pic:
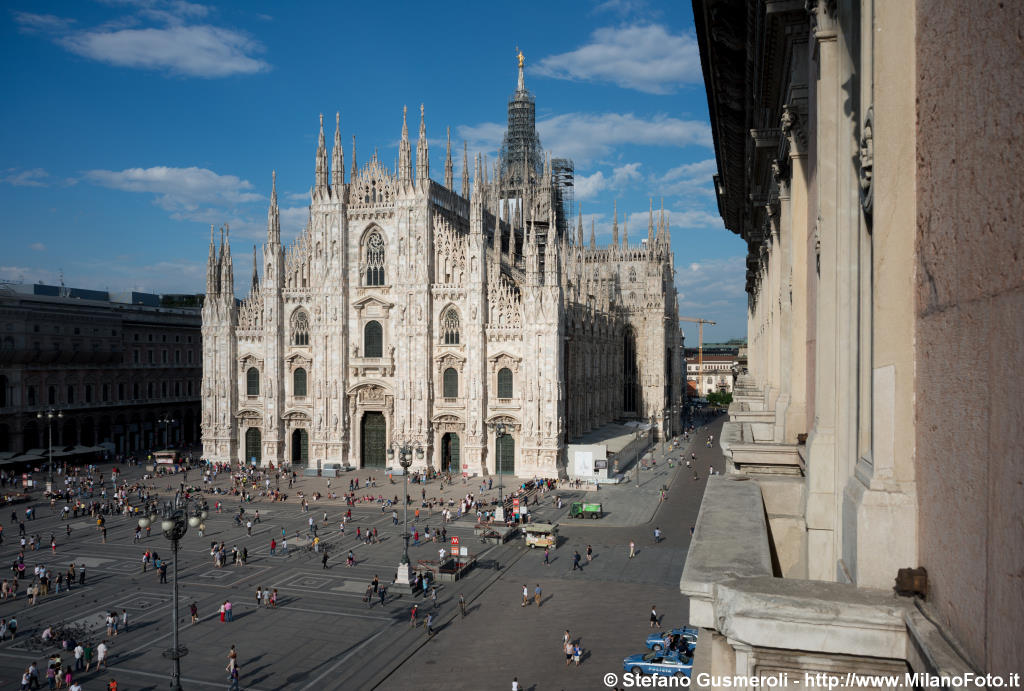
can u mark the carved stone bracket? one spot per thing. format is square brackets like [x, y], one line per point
[867, 161]
[793, 127]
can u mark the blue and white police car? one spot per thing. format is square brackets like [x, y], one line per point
[665, 664]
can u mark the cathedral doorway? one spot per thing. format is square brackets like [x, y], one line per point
[374, 439]
[300, 446]
[506, 455]
[252, 445]
[450, 453]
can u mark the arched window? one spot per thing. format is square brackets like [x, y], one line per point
[632, 275]
[88, 393]
[252, 445]
[252, 382]
[300, 328]
[375, 259]
[451, 383]
[504, 383]
[373, 340]
[31, 395]
[450, 327]
[71, 394]
[299, 382]
[3, 392]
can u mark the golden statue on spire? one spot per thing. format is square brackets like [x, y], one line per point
[521, 58]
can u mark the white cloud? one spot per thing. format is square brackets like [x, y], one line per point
[29, 23]
[646, 58]
[176, 47]
[178, 189]
[293, 219]
[695, 218]
[586, 136]
[194, 51]
[589, 186]
[485, 137]
[25, 178]
[711, 279]
[37, 246]
[686, 179]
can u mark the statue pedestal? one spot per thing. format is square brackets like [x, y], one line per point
[403, 582]
[499, 514]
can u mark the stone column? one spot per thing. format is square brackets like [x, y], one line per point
[795, 228]
[822, 450]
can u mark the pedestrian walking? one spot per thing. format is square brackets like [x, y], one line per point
[576, 561]
[576, 652]
[547, 556]
[412, 616]
[259, 595]
[462, 605]
[526, 595]
[568, 652]
[590, 554]
[654, 618]
[324, 560]
[228, 611]
[101, 654]
[433, 597]
[194, 611]
[429, 624]
[536, 595]
[632, 549]
[233, 675]
[273, 546]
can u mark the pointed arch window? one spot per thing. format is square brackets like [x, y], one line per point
[299, 382]
[504, 383]
[300, 328]
[252, 382]
[375, 259]
[451, 383]
[632, 275]
[450, 327]
[373, 340]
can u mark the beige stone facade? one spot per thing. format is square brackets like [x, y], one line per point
[874, 182]
[409, 312]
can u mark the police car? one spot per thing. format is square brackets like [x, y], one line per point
[660, 640]
[665, 664]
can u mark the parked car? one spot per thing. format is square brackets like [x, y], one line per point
[663, 664]
[580, 509]
[660, 639]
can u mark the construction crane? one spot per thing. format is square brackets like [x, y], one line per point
[700, 346]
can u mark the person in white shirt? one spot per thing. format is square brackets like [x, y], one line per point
[101, 654]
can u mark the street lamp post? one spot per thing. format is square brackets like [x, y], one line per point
[167, 421]
[177, 516]
[49, 415]
[500, 430]
[405, 452]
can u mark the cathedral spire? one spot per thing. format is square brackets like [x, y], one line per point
[255, 270]
[212, 268]
[615, 225]
[337, 158]
[273, 216]
[352, 177]
[650, 227]
[521, 84]
[405, 152]
[321, 160]
[661, 222]
[593, 236]
[227, 271]
[625, 231]
[449, 181]
[579, 228]
[422, 153]
[465, 170]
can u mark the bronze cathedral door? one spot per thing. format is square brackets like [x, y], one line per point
[374, 439]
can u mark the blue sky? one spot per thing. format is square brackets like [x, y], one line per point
[132, 125]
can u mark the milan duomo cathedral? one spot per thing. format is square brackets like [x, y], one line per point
[475, 325]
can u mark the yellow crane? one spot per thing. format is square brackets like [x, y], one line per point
[700, 347]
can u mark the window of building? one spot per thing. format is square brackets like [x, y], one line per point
[164, 338]
[71, 394]
[31, 393]
[450, 326]
[504, 383]
[163, 389]
[136, 337]
[177, 357]
[190, 388]
[299, 382]
[150, 338]
[88, 393]
[177, 339]
[52, 395]
[163, 357]
[35, 328]
[150, 356]
[189, 339]
[300, 328]
[149, 390]
[105, 393]
[135, 391]
[77, 331]
[451, 383]
[373, 340]
[135, 356]
[177, 389]
[252, 382]
[375, 259]
[3, 392]
[120, 392]
[190, 357]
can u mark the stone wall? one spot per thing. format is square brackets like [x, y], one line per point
[970, 303]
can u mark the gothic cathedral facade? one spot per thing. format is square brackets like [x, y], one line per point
[475, 325]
